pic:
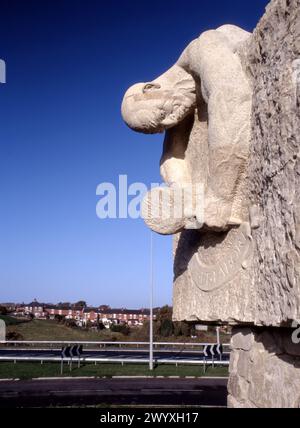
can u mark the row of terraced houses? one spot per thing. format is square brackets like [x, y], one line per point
[84, 315]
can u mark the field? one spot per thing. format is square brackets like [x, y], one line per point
[35, 370]
[10, 320]
[51, 330]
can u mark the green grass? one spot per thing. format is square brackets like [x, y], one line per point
[52, 330]
[11, 321]
[34, 370]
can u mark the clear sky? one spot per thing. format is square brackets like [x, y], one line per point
[61, 134]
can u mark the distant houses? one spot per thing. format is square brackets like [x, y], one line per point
[84, 315]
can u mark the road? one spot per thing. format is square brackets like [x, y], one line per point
[158, 392]
[106, 354]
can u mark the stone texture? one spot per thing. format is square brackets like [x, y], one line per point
[230, 109]
[2, 331]
[243, 340]
[267, 292]
[205, 149]
[203, 103]
[265, 376]
[274, 167]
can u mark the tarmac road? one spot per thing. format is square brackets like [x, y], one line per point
[201, 392]
[117, 354]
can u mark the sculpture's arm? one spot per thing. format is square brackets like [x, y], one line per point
[173, 165]
[227, 92]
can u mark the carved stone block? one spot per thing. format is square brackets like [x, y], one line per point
[229, 108]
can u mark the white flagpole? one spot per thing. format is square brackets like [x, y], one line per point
[151, 304]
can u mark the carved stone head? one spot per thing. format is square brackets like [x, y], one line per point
[156, 106]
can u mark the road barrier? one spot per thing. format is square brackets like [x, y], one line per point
[204, 362]
[103, 344]
[204, 355]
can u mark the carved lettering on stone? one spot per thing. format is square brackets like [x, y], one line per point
[215, 266]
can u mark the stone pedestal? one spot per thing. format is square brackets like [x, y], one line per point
[264, 368]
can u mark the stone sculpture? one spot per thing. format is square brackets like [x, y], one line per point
[230, 111]
[204, 104]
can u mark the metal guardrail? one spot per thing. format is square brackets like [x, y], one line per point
[116, 350]
[103, 343]
[114, 360]
[89, 359]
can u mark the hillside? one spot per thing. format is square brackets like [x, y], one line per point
[51, 330]
[10, 320]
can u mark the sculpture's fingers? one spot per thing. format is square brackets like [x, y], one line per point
[169, 210]
[161, 213]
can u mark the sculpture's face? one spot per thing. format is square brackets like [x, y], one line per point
[161, 104]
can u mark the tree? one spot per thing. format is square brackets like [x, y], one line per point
[164, 324]
[81, 304]
[125, 329]
[185, 328]
[71, 323]
[166, 328]
[100, 325]
[177, 329]
[120, 328]
[165, 312]
[59, 318]
[3, 310]
[64, 304]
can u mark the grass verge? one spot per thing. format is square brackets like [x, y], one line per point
[51, 330]
[34, 370]
[11, 321]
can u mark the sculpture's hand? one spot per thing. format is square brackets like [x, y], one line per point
[169, 210]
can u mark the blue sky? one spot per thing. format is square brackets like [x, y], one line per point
[61, 134]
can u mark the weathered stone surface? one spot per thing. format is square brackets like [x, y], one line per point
[204, 104]
[238, 387]
[242, 263]
[244, 365]
[264, 376]
[274, 167]
[233, 403]
[239, 263]
[243, 340]
[2, 331]
[204, 100]
[267, 292]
